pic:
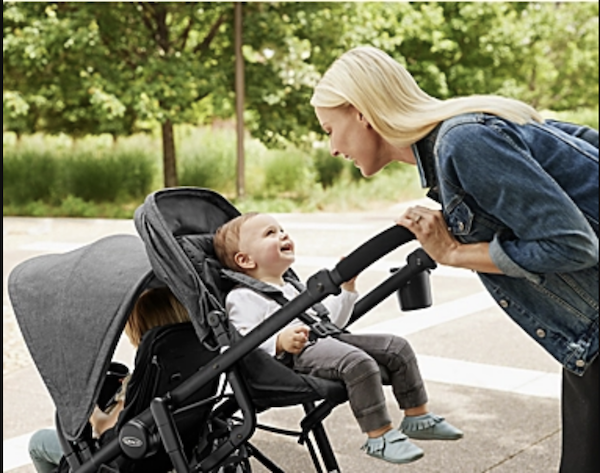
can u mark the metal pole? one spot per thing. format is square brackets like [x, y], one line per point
[239, 100]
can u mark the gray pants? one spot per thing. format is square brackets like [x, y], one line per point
[355, 360]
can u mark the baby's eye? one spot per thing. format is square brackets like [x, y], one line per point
[270, 232]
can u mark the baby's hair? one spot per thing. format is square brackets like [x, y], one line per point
[226, 241]
[155, 307]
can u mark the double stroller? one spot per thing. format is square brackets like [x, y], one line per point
[197, 387]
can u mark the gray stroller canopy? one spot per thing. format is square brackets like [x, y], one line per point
[71, 309]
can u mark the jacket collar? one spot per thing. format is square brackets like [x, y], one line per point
[425, 157]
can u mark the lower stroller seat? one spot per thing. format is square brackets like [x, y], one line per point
[167, 356]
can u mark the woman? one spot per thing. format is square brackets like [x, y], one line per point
[519, 198]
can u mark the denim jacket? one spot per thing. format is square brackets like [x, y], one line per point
[532, 192]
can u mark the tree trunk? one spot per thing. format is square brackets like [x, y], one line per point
[169, 163]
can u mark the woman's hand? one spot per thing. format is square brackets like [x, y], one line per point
[431, 230]
[292, 339]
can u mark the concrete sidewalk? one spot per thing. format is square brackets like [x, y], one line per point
[482, 372]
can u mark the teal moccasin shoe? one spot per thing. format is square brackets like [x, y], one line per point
[394, 447]
[429, 427]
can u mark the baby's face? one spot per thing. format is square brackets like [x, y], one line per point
[264, 242]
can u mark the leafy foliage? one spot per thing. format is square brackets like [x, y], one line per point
[121, 67]
[110, 175]
[328, 168]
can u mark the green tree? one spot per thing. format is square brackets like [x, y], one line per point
[541, 52]
[102, 67]
[96, 67]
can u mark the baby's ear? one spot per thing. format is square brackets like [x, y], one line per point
[244, 261]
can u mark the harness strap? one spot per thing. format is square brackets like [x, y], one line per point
[320, 326]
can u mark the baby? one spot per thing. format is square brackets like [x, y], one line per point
[256, 245]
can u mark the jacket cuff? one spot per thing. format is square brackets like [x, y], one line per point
[505, 264]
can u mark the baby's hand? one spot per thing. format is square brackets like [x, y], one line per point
[292, 339]
[350, 285]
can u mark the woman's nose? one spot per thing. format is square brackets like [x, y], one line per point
[332, 149]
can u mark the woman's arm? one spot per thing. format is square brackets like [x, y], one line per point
[497, 170]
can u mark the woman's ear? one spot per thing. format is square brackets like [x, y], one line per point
[244, 261]
[363, 120]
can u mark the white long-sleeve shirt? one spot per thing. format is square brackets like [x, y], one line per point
[247, 309]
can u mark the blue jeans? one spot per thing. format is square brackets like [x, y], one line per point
[45, 450]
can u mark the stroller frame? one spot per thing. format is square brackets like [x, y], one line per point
[159, 415]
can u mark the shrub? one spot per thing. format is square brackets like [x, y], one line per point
[328, 168]
[27, 176]
[105, 178]
[208, 159]
[288, 173]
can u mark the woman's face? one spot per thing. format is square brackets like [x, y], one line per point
[352, 137]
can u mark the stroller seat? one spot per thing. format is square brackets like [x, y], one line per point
[167, 356]
[177, 226]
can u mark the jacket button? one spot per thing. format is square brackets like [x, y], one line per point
[580, 363]
[504, 303]
[540, 332]
[461, 226]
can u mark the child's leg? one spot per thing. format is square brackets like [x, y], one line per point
[45, 450]
[331, 359]
[398, 357]
[395, 354]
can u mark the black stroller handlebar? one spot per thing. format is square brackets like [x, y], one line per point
[369, 252]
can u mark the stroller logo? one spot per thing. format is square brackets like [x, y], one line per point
[132, 442]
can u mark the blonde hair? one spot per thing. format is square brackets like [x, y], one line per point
[392, 102]
[155, 307]
[226, 241]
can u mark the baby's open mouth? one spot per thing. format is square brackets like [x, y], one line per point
[287, 247]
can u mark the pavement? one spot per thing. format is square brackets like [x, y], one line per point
[482, 373]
